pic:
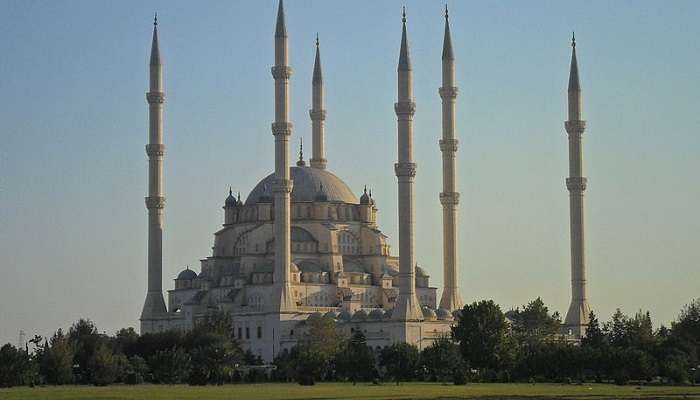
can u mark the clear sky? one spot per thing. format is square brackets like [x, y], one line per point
[73, 125]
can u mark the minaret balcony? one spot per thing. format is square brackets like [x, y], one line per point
[281, 72]
[577, 126]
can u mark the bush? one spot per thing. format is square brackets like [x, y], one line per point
[459, 376]
[170, 366]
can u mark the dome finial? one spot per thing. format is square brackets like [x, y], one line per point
[365, 188]
[301, 162]
[230, 191]
[239, 197]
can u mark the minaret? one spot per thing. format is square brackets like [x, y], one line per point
[407, 307]
[155, 202]
[318, 115]
[282, 186]
[577, 316]
[449, 198]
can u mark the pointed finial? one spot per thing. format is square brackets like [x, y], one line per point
[370, 193]
[447, 14]
[365, 189]
[574, 82]
[404, 58]
[239, 197]
[155, 48]
[447, 53]
[230, 192]
[317, 76]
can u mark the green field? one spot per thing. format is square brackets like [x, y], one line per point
[348, 391]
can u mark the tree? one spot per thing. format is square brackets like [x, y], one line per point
[686, 331]
[57, 360]
[104, 366]
[214, 358]
[16, 367]
[170, 366]
[443, 360]
[594, 337]
[481, 331]
[534, 321]
[85, 340]
[401, 361]
[355, 360]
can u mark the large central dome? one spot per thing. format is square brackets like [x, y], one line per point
[307, 183]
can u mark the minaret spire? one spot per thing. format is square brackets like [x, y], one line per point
[282, 184]
[449, 197]
[155, 202]
[577, 315]
[318, 115]
[407, 307]
[447, 41]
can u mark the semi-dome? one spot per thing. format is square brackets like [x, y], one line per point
[307, 182]
[186, 275]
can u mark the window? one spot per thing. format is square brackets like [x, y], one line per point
[240, 332]
[247, 333]
[260, 332]
[291, 333]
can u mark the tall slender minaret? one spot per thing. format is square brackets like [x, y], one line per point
[451, 299]
[318, 115]
[577, 316]
[407, 307]
[282, 186]
[155, 202]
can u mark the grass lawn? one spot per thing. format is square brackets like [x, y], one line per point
[348, 391]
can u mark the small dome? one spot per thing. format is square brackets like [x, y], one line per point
[456, 313]
[293, 267]
[316, 315]
[186, 275]
[360, 315]
[331, 315]
[420, 272]
[345, 316]
[429, 314]
[230, 200]
[376, 314]
[443, 314]
[364, 199]
[387, 314]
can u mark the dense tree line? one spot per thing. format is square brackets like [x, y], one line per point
[486, 344]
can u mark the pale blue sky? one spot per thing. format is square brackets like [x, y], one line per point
[73, 123]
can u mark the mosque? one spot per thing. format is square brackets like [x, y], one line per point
[303, 245]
